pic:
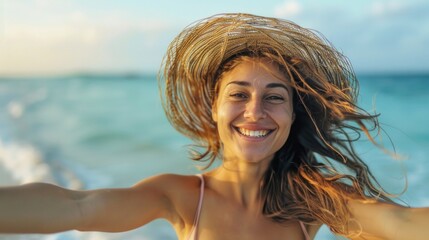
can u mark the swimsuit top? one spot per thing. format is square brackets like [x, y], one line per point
[193, 234]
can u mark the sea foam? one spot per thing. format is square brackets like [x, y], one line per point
[25, 164]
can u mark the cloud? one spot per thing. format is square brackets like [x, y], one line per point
[65, 35]
[288, 9]
[386, 8]
[47, 3]
[77, 41]
[376, 36]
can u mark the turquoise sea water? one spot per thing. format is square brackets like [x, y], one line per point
[91, 132]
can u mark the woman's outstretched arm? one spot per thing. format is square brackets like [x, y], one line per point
[388, 221]
[38, 207]
[46, 208]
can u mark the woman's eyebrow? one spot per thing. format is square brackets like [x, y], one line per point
[241, 83]
[277, 85]
[269, 85]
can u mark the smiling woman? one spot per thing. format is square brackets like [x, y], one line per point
[277, 105]
[229, 60]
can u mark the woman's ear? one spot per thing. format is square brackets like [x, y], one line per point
[293, 117]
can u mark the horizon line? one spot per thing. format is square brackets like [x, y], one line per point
[144, 74]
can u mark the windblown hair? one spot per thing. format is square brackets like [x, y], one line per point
[303, 181]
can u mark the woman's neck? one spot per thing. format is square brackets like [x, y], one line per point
[240, 181]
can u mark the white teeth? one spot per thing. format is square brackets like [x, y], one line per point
[250, 133]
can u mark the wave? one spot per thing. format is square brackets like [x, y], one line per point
[25, 163]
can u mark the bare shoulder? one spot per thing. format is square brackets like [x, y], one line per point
[182, 192]
[373, 209]
[169, 183]
[375, 218]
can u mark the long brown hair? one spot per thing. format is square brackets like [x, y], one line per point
[303, 181]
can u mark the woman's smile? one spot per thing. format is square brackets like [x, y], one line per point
[254, 133]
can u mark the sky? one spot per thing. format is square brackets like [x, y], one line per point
[51, 37]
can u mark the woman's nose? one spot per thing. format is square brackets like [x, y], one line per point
[255, 110]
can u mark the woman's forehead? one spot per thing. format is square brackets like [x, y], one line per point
[255, 70]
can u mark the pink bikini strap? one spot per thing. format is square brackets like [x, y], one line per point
[200, 203]
[307, 237]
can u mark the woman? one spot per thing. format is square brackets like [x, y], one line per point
[277, 104]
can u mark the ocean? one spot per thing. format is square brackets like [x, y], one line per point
[97, 131]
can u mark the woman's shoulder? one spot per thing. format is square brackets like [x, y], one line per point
[171, 179]
[182, 192]
[175, 186]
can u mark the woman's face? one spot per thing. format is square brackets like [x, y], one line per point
[253, 111]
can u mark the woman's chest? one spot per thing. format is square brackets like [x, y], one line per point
[228, 221]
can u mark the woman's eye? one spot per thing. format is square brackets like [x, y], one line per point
[275, 99]
[238, 95]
